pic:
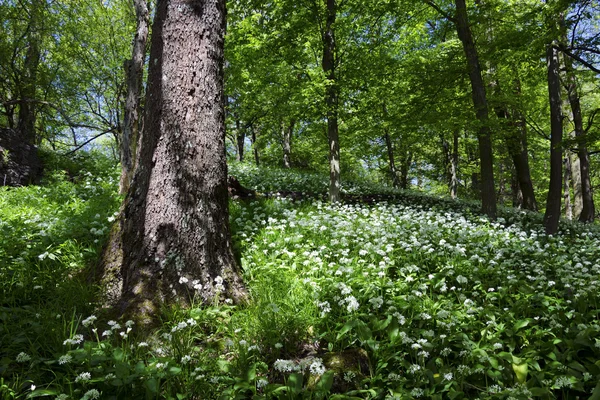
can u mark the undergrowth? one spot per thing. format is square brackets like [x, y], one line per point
[401, 296]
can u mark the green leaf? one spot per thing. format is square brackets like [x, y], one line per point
[520, 372]
[596, 393]
[348, 326]
[521, 324]
[326, 381]
[295, 382]
[42, 393]
[152, 385]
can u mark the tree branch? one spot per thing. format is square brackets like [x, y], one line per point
[432, 4]
[87, 141]
[577, 58]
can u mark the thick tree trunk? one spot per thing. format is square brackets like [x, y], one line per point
[331, 101]
[552, 215]
[175, 225]
[27, 90]
[287, 132]
[488, 192]
[391, 161]
[567, 189]
[134, 71]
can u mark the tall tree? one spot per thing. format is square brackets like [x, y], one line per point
[134, 71]
[552, 215]
[488, 191]
[331, 99]
[175, 228]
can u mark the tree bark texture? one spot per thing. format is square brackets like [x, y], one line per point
[331, 101]
[175, 225]
[134, 71]
[404, 168]
[552, 215]
[488, 191]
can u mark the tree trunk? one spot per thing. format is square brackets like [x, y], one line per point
[27, 89]
[331, 101]
[240, 138]
[552, 215]
[175, 225]
[567, 189]
[287, 132]
[404, 168]
[254, 146]
[392, 163]
[134, 71]
[454, 166]
[587, 200]
[575, 175]
[488, 192]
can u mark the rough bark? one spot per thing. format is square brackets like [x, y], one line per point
[552, 215]
[134, 71]
[175, 229]
[19, 161]
[331, 101]
[488, 193]
[391, 161]
[567, 189]
[287, 132]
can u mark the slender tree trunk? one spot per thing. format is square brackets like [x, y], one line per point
[287, 132]
[240, 138]
[176, 238]
[552, 215]
[134, 71]
[517, 195]
[587, 200]
[255, 146]
[454, 166]
[575, 174]
[331, 101]
[391, 161]
[488, 191]
[404, 168]
[567, 189]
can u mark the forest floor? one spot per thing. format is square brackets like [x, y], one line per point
[390, 294]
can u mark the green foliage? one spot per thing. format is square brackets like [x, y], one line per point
[411, 297]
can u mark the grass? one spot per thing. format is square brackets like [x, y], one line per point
[411, 297]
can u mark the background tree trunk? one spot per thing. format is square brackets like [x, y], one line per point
[391, 161]
[134, 71]
[331, 101]
[287, 132]
[552, 214]
[240, 138]
[488, 191]
[176, 239]
[567, 189]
